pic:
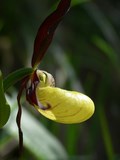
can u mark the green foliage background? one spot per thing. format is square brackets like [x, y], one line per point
[83, 56]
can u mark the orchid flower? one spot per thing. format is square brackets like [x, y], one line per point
[52, 102]
[58, 104]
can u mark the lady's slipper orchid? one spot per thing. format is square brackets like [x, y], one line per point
[57, 104]
[54, 103]
[64, 106]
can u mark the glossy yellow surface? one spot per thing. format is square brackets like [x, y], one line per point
[65, 106]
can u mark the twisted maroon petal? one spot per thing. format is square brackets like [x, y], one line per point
[46, 31]
[31, 96]
[30, 90]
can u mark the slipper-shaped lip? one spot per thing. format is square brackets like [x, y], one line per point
[64, 106]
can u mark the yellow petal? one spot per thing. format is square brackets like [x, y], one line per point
[45, 78]
[65, 106]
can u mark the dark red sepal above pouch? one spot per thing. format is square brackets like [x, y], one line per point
[46, 32]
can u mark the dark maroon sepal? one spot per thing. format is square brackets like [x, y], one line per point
[46, 31]
[31, 91]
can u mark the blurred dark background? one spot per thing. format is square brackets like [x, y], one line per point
[83, 56]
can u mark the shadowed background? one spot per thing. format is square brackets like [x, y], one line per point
[83, 56]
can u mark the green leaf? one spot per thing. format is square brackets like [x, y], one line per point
[4, 106]
[107, 50]
[16, 76]
[77, 2]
